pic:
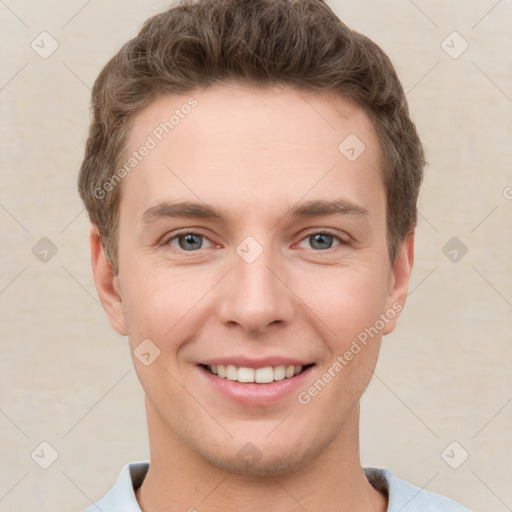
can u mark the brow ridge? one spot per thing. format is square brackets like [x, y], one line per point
[188, 209]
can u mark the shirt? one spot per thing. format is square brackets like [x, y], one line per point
[402, 495]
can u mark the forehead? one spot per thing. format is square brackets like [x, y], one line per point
[256, 114]
[239, 143]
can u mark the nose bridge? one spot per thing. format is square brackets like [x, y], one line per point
[255, 295]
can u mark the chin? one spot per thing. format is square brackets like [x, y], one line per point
[262, 458]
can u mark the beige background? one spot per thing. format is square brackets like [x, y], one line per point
[443, 376]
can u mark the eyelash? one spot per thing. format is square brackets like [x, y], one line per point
[175, 236]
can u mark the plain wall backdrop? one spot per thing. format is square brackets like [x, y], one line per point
[438, 411]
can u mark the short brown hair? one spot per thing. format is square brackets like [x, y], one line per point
[297, 43]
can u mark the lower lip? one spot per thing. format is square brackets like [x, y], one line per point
[250, 393]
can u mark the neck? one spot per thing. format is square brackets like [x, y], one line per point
[179, 479]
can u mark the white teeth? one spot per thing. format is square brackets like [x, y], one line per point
[259, 375]
[231, 372]
[264, 375]
[279, 372]
[245, 374]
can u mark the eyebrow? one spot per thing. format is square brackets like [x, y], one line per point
[191, 210]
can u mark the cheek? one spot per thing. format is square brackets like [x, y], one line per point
[165, 305]
[350, 300]
[152, 303]
[351, 319]
[159, 314]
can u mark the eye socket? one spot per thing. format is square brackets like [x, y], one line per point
[323, 238]
[187, 237]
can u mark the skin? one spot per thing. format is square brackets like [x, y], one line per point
[253, 154]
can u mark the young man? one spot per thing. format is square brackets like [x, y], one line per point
[251, 176]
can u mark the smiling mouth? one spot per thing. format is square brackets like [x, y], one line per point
[265, 375]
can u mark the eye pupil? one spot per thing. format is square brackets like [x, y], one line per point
[322, 238]
[190, 238]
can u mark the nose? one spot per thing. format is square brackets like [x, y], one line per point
[254, 295]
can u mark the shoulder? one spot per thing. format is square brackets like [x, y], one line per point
[406, 497]
[121, 498]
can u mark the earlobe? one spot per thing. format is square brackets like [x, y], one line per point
[399, 281]
[107, 283]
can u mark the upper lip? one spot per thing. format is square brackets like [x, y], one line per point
[255, 362]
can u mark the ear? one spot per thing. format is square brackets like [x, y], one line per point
[107, 283]
[399, 281]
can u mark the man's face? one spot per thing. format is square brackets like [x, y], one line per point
[275, 280]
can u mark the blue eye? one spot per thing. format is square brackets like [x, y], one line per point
[322, 241]
[188, 241]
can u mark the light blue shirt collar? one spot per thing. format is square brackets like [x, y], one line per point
[402, 495]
